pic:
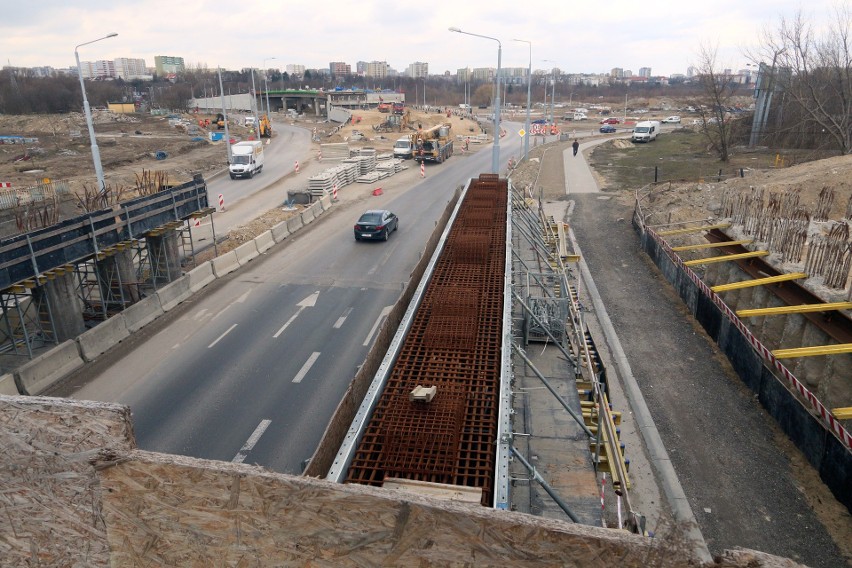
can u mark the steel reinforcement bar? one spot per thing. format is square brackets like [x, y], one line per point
[455, 344]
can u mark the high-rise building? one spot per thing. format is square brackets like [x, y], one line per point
[339, 68]
[377, 69]
[463, 75]
[168, 65]
[101, 69]
[294, 69]
[129, 69]
[361, 68]
[418, 69]
[617, 73]
[483, 73]
[645, 72]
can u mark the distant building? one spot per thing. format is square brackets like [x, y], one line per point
[463, 75]
[691, 72]
[168, 65]
[294, 69]
[616, 73]
[101, 69]
[514, 75]
[645, 72]
[130, 69]
[377, 69]
[361, 68]
[417, 69]
[483, 74]
[339, 68]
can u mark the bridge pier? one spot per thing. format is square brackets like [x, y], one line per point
[59, 303]
[116, 275]
[163, 256]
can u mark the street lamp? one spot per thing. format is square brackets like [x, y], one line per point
[96, 155]
[553, 91]
[495, 155]
[529, 102]
[266, 86]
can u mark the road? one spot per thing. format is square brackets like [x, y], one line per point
[252, 368]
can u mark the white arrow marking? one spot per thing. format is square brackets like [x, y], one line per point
[308, 302]
[306, 367]
[250, 443]
[339, 323]
[385, 311]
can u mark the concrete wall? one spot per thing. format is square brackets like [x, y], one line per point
[825, 451]
[83, 495]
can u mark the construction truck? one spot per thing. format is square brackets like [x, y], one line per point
[265, 128]
[398, 108]
[384, 107]
[432, 145]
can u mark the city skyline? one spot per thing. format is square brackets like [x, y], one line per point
[576, 39]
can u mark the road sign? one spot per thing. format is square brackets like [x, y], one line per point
[522, 132]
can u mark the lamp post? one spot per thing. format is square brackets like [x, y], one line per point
[551, 79]
[254, 105]
[495, 155]
[529, 102]
[266, 86]
[96, 154]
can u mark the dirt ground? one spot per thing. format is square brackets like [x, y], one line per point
[129, 144]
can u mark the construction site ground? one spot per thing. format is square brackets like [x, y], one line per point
[746, 484]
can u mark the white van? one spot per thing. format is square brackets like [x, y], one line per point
[646, 131]
[246, 159]
[402, 148]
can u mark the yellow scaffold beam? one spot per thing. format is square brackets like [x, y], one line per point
[726, 257]
[842, 413]
[759, 282]
[796, 352]
[693, 229]
[713, 245]
[800, 309]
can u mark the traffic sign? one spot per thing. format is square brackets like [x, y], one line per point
[522, 132]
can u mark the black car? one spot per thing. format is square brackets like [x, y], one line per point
[376, 224]
[607, 129]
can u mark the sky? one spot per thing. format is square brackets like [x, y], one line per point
[576, 37]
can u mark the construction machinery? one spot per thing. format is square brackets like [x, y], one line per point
[433, 145]
[220, 121]
[384, 107]
[398, 108]
[265, 128]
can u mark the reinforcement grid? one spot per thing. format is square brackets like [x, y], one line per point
[454, 344]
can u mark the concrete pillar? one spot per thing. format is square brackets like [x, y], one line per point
[811, 370]
[66, 307]
[163, 256]
[118, 275]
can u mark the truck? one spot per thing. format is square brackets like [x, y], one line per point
[402, 148]
[246, 159]
[432, 145]
[646, 131]
[398, 108]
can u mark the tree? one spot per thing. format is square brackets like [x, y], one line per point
[814, 76]
[717, 90]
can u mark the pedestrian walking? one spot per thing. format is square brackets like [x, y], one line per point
[576, 146]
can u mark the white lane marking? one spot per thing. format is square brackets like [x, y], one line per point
[339, 323]
[385, 311]
[306, 367]
[250, 443]
[308, 302]
[221, 336]
[199, 314]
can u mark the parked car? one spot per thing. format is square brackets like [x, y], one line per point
[671, 120]
[611, 120]
[376, 224]
[608, 129]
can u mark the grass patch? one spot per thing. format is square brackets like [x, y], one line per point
[677, 155]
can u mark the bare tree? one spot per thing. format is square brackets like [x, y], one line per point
[717, 90]
[814, 75]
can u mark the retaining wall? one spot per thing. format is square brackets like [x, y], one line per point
[809, 425]
[38, 375]
[96, 341]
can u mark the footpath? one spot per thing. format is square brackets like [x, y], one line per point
[741, 479]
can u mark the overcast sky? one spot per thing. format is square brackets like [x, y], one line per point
[586, 36]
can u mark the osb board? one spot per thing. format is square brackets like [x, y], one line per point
[50, 513]
[177, 511]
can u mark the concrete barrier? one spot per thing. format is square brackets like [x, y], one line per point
[294, 223]
[325, 202]
[246, 252]
[317, 208]
[96, 341]
[142, 313]
[280, 231]
[174, 293]
[307, 216]
[264, 242]
[225, 264]
[44, 371]
[8, 386]
[200, 276]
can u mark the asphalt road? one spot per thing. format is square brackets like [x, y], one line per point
[252, 368]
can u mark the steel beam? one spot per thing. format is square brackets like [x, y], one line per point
[800, 309]
[758, 282]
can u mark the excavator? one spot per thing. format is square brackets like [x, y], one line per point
[265, 127]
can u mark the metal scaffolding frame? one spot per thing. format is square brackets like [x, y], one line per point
[23, 323]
